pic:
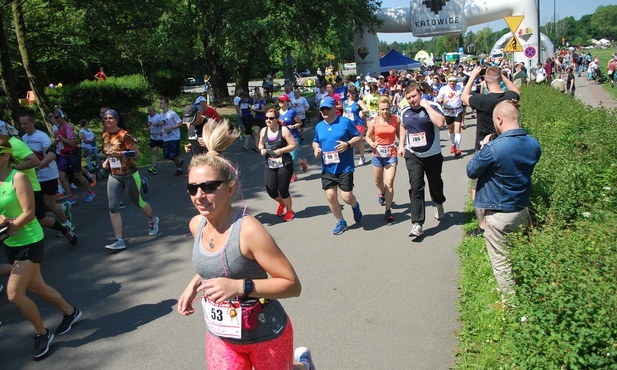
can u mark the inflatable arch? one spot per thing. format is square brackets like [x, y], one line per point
[427, 18]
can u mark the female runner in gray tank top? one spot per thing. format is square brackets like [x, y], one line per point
[233, 255]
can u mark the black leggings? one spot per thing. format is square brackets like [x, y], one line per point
[278, 180]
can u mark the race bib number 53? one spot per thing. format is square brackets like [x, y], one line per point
[223, 320]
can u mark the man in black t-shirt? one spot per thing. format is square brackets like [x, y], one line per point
[484, 104]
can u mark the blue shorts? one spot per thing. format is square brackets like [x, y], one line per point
[171, 149]
[72, 162]
[383, 162]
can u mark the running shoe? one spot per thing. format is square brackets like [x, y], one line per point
[416, 230]
[388, 216]
[144, 185]
[60, 196]
[89, 197]
[71, 200]
[280, 210]
[41, 344]
[179, 172]
[439, 212]
[341, 227]
[66, 208]
[304, 166]
[73, 186]
[458, 153]
[452, 149]
[71, 236]
[382, 199]
[122, 205]
[68, 321]
[303, 356]
[152, 170]
[293, 178]
[241, 138]
[117, 245]
[1, 288]
[289, 215]
[245, 147]
[361, 161]
[153, 227]
[357, 213]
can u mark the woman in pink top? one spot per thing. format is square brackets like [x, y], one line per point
[381, 136]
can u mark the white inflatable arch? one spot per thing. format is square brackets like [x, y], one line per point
[428, 18]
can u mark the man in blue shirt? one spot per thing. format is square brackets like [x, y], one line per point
[334, 138]
[503, 167]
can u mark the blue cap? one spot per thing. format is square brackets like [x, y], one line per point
[327, 102]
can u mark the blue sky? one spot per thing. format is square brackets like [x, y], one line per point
[564, 8]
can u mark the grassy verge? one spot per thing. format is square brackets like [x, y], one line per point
[564, 313]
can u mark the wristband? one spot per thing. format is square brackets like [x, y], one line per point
[348, 145]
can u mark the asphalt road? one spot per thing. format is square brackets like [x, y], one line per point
[372, 298]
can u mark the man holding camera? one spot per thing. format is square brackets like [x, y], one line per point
[503, 168]
[484, 104]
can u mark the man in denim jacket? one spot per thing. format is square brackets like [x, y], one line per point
[503, 167]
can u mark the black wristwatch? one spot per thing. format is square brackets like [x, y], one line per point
[248, 288]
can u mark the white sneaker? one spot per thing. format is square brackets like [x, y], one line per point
[117, 245]
[153, 227]
[73, 186]
[303, 356]
[361, 161]
[416, 230]
[439, 212]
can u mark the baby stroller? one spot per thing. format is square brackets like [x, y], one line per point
[598, 76]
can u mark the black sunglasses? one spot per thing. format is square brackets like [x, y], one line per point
[207, 187]
[270, 118]
[322, 109]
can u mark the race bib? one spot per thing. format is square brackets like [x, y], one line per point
[115, 162]
[224, 319]
[417, 140]
[275, 162]
[373, 114]
[450, 112]
[256, 106]
[383, 151]
[244, 106]
[348, 115]
[331, 157]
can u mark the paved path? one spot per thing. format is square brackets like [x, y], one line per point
[372, 298]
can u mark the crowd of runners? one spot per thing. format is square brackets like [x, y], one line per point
[391, 116]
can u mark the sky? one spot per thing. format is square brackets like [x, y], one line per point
[563, 9]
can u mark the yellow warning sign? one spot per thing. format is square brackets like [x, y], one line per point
[513, 45]
[514, 21]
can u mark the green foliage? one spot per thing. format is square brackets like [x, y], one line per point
[603, 20]
[564, 313]
[167, 83]
[84, 99]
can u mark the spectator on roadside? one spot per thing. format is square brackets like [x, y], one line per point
[88, 144]
[171, 135]
[100, 75]
[520, 77]
[570, 83]
[503, 168]
[484, 105]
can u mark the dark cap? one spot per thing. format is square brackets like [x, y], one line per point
[190, 113]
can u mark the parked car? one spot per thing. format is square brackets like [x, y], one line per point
[191, 82]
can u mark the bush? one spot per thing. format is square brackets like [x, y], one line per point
[84, 99]
[564, 313]
[167, 83]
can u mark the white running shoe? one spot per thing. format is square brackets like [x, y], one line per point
[361, 161]
[153, 227]
[117, 245]
[416, 230]
[303, 356]
[439, 212]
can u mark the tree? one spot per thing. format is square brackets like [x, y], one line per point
[604, 21]
[30, 64]
[8, 81]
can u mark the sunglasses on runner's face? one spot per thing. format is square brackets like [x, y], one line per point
[323, 109]
[207, 187]
[270, 118]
